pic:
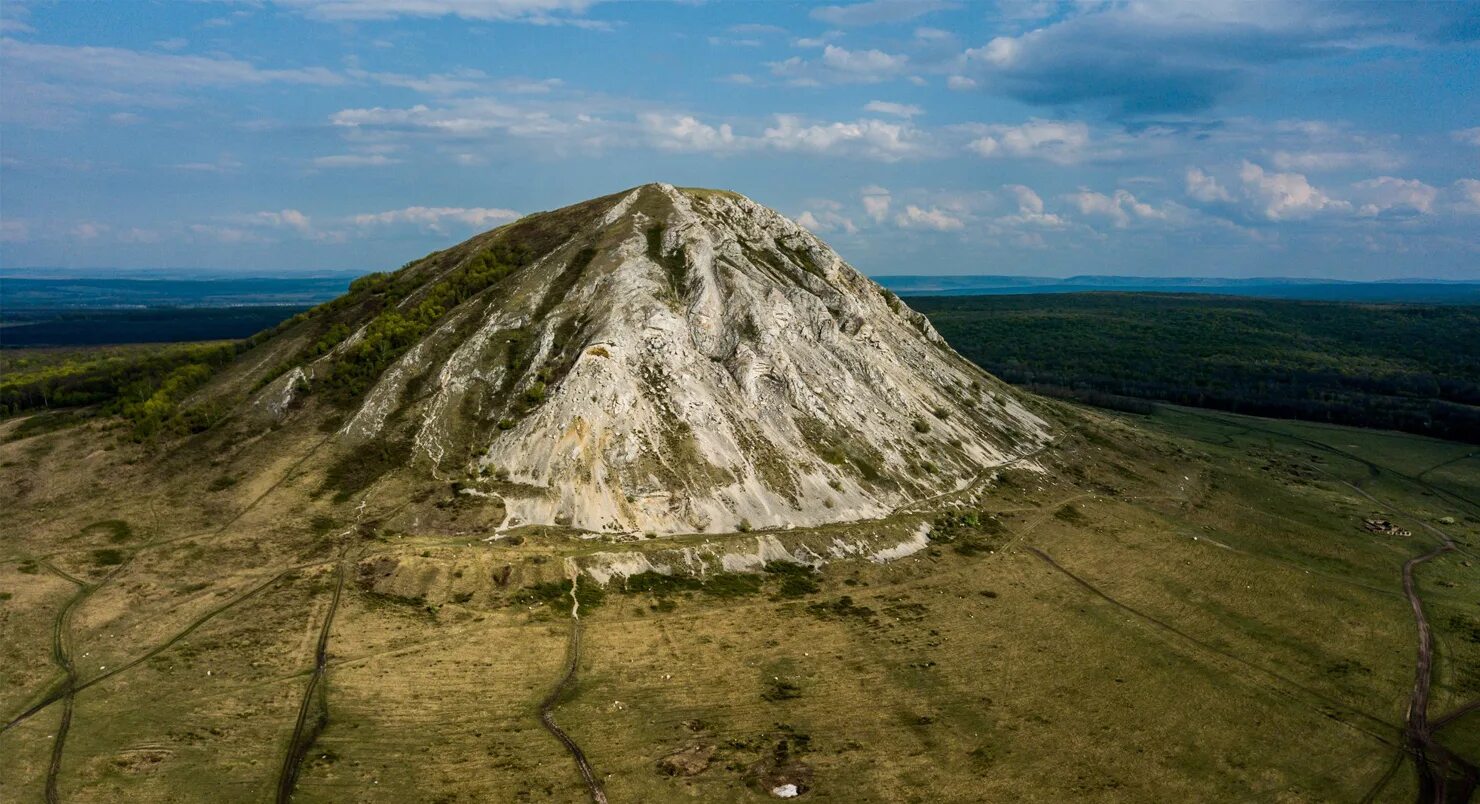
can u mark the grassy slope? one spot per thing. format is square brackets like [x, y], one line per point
[1288, 680]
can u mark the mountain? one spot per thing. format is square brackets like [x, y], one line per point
[659, 360]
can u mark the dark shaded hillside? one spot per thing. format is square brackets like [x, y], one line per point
[1402, 367]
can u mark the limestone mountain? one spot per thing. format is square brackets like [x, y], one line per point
[660, 360]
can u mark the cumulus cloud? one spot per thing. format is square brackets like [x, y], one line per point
[1468, 136]
[1387, 193]
[876, 201]
[687, 133]
[826, 219]
[1282, 196]
[841, 65]
[287, 218]
[914, 217]
[1205, 188]
[1060, 142]
[1030, 210]
[1121, 207]
[872, 139]
[1468, 193]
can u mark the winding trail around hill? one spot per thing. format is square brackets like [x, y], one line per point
[547, 706]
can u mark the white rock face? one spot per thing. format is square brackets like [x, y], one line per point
[691, 361]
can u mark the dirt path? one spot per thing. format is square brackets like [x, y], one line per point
[61, 653]
[304, 732]
[547, 706]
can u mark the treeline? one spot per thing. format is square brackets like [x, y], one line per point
[1400, 367]
[144, 385]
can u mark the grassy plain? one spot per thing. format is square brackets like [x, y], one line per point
[1182, 606]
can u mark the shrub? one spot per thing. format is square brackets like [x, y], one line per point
[108, 557]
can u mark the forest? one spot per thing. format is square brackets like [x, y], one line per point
[1405, 367]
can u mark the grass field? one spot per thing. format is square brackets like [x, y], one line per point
[1183, 606]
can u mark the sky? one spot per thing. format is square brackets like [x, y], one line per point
[1148, 137]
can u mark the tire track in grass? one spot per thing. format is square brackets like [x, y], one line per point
[56, 695]
[314, 697]
[61, 654]
[547, 706]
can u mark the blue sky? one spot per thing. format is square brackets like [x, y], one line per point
[916, 136]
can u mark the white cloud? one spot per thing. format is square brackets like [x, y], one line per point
[50, 85]
[286, 219]
[481, 116]
[872, 139]
[538, 12]
[1322, 161]
[111, 66]
[960, 83]
[826, 220]
[841, 65]
[1030, 210]
[1001, 52]
[687, 133]
[1282, 196]
[1059, 142]
[870, 63]
[1468, 191]
[876, 12]
[1121, 208]
[1385, 193]
[876, 202]
[1468, 136]
[222, 165]
[436, 218]
[914, 217]
[897, 109]
[1205, 188]
[353, 160]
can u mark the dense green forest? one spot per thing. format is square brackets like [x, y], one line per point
[1400, 367]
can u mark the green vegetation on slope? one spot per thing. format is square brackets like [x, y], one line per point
[1401, 367]
[144, 384]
